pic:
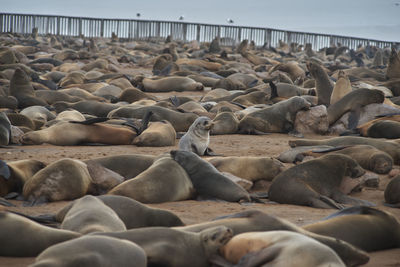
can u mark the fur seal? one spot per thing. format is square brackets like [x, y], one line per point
[207, 180]
[101, 251]
[364, 227]
[133, 213]
[128, 166]
[224, 123]
[341, 88]
[393, 149]
[368, 157]
[323, 84]
[159, 133]
[89, 214]
[21, 88]
[38, 113]
[278, 248]
[383, 129]
[174, 83]
[255, 220]
[392, 193]
[352, 102]
[17, 173]
[279, 118]
[393, 69]
[64, 179]
[249, 168]
[91, 107]
[165, 180]
[172, 247]
[25, 238]
[197, 138]
[316, 183]
[180, 121]
[74, 133]
[52, 97]
[5, 129]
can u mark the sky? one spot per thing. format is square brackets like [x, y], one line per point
[375, 19]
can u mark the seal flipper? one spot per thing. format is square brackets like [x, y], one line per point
[345, 199]
[274, 90]
[210, 152]
[145, 121]
[4, 170]
[326, 202]
[354, 210]
[354, 117]
[397, 205]
[4, 202]
[91, 121]
[45, 219]
[219, 261]
[174, 100]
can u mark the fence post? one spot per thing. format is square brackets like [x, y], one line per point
[240, 35]
[184, 32]
[198, 33]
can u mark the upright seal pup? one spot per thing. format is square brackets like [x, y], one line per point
[393, 149]
[352, 102]
[89, 214]
[249, 168]
[5, 129]
[100, 251]
[75, 133]
[392, 193]
[279, 118]
[341, 88]
[278, 248]
[22, 237]
[197, 138]
[316, 183]
[322, 83]
[255, 220]
[364, 227]
[207, 180]
[163, 181]
[172, 247]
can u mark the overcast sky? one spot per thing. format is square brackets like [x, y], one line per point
[376, 19]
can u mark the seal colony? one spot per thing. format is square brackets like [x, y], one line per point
[57, 92]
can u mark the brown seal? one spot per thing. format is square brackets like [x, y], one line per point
[165, 180]
[278, 248]
[393, 69]
[25, 238]
[255, 220]
[133, 213]
[249, 168]
[341, 88]
[316, 183]
[364, 227]
[352, 102]
[89, 214]
[279, 118]
[91, 107]
[173, 83]
[172, 247]
[207, 180]
[225, 123]
[323, 84]
[5, 129]
[392, 195]
[159, 133]
[382, 129]
[128, 166]
[369, 157]
[74, 133]
[393, 149]
[98, 251]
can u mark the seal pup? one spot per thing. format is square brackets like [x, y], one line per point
[173, 83]
[101, 251]
[392, 193]
[278, 248]
[5, 129]
[197, 138]
[393, 69]
[316, 183]
[26, 238]
[172, 247]
[224, 123]
[89, 214]
[207, 180]
[364, 227]
[165, 180]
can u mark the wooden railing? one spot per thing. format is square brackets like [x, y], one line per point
[131, 29]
